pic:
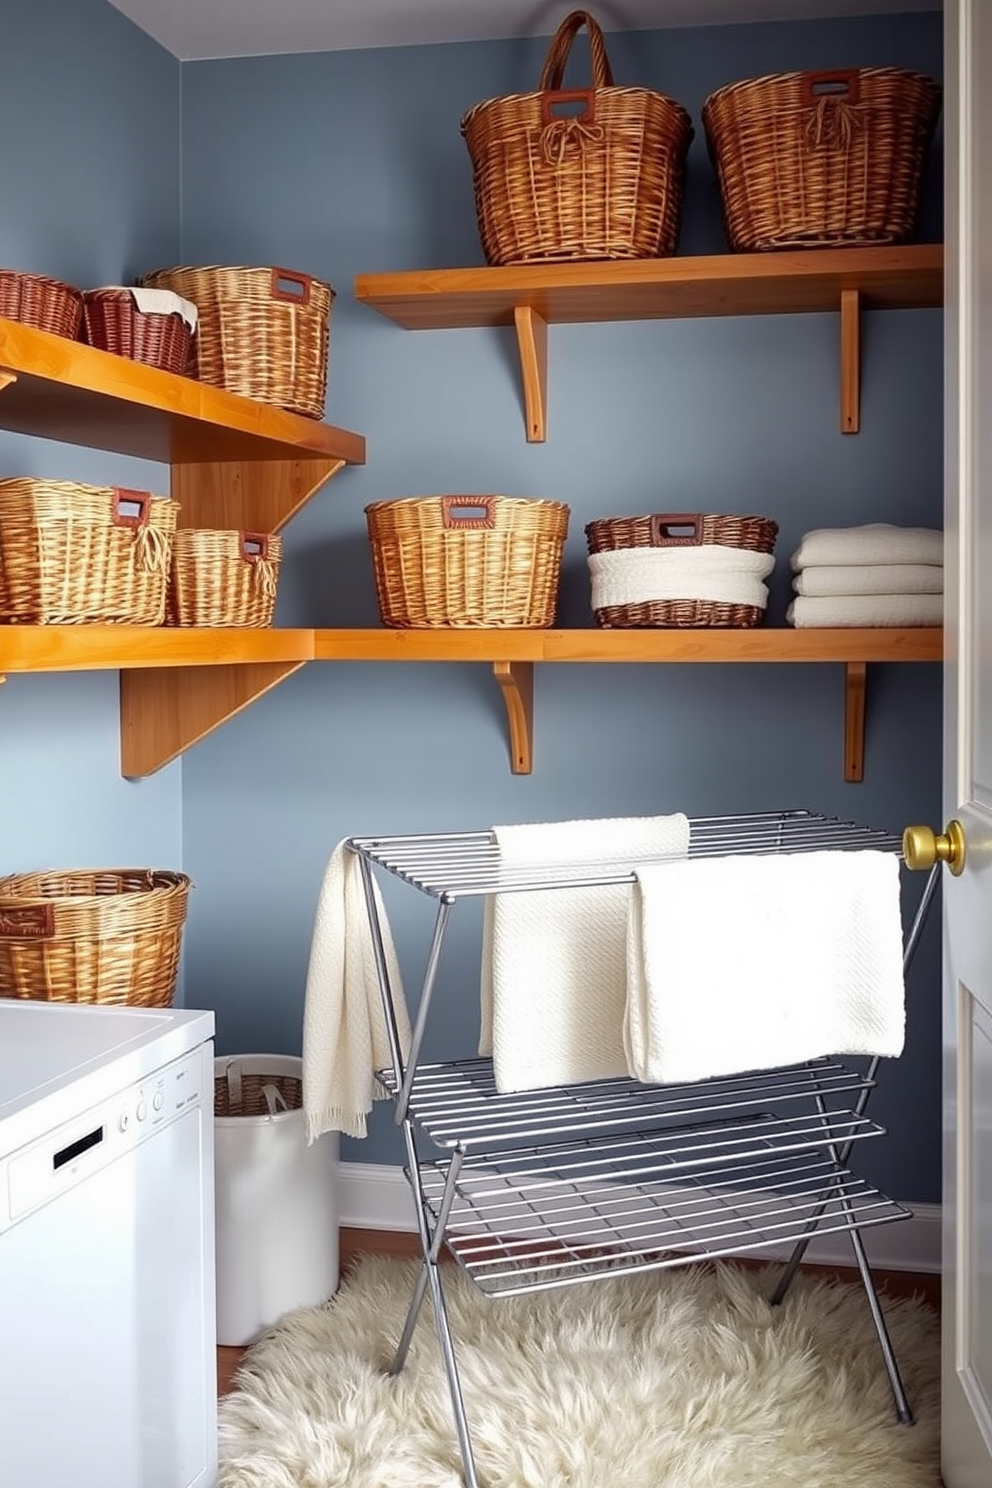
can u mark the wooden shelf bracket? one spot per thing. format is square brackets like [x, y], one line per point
[855, 684]
[7, 379]
[165, 710]
[850, 361]
[249, 495]
[516, 680]
[532, 342]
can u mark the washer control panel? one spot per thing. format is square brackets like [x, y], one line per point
[80, 1146]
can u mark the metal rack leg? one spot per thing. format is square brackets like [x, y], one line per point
[891, 1367]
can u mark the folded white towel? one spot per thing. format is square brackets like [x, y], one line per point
[710, 572]
[344, 1026]
[870, 578]
[866, 609]
[747, 962]
[877, 542]
[553, 983]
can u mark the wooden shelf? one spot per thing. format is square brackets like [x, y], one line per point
[178, 684]
[234, 463]
[513, 653]
[532, 297]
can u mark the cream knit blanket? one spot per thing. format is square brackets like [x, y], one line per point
[710, 572]
[829, 581]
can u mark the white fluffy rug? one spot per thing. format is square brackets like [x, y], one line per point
[679, 1379]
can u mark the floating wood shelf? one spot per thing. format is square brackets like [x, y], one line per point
[234, 463]
[532, 297]
[178, 684]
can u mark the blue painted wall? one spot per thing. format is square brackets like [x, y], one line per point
[345, 163]
[89, 181]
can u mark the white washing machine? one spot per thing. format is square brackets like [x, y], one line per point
[107, 1313]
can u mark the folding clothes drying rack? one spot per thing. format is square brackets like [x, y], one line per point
[554, 1187]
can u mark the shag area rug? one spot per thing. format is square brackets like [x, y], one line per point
[678, 1379]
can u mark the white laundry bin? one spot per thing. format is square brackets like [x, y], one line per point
[276, 1199]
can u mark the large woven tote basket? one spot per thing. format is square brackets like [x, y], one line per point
[590, 173]
[261, 332]
[808, 158]
[467, 560]
[73, 554]
[103, 935]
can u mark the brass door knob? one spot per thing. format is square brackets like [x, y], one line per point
[922, 847]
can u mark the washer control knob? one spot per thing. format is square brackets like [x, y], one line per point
[158, 1100]
[124, 1122]
[142, 1111]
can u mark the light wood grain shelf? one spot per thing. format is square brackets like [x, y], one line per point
[178, 684]
[513, 654]
[532, 297]
[234, 463]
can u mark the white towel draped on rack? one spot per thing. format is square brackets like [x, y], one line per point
[743, 963]
[344, 1028]
[553, 982]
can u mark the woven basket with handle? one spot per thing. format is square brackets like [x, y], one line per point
[36, 300]
[588, 173]
[72, 553]
[467, 560]
[680, 530]
[810, 158]
[261, 332]
[223, 578]
[103, 935]
[115, 322]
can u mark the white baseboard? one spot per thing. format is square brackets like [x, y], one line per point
[376, 1197]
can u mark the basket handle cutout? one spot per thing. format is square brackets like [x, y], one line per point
[467, 511]
[551, 102]
[130, 507]
[676, 530]
[254, 545]
[556, 61]
[28, 921]
[286, 285]
[843, 85]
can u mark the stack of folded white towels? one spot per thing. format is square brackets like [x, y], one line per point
[878, 574]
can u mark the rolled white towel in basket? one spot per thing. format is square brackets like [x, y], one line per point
[875, 542]
[833, 580]
[710, 572]
[553, 981]
[866, 609]
[344, 1025]
[746, 962]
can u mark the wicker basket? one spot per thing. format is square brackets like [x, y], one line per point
[670, 530]
[155, 327]
[245, 1094]
[808, 158]
[604, 183]
[108, 935]
[47, 304]
[223, 578]
[262, 332]
[467, 560]
[72, 554]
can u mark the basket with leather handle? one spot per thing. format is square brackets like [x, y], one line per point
[102, 935]
[223, 578]
[680, 569]
[817, 158]
[581, 173]
[467, 560]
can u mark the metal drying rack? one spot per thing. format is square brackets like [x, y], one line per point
[550, 1188]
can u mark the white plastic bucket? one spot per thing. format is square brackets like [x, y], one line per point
[276, 1199]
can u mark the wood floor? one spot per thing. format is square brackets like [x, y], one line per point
[387, 1242]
